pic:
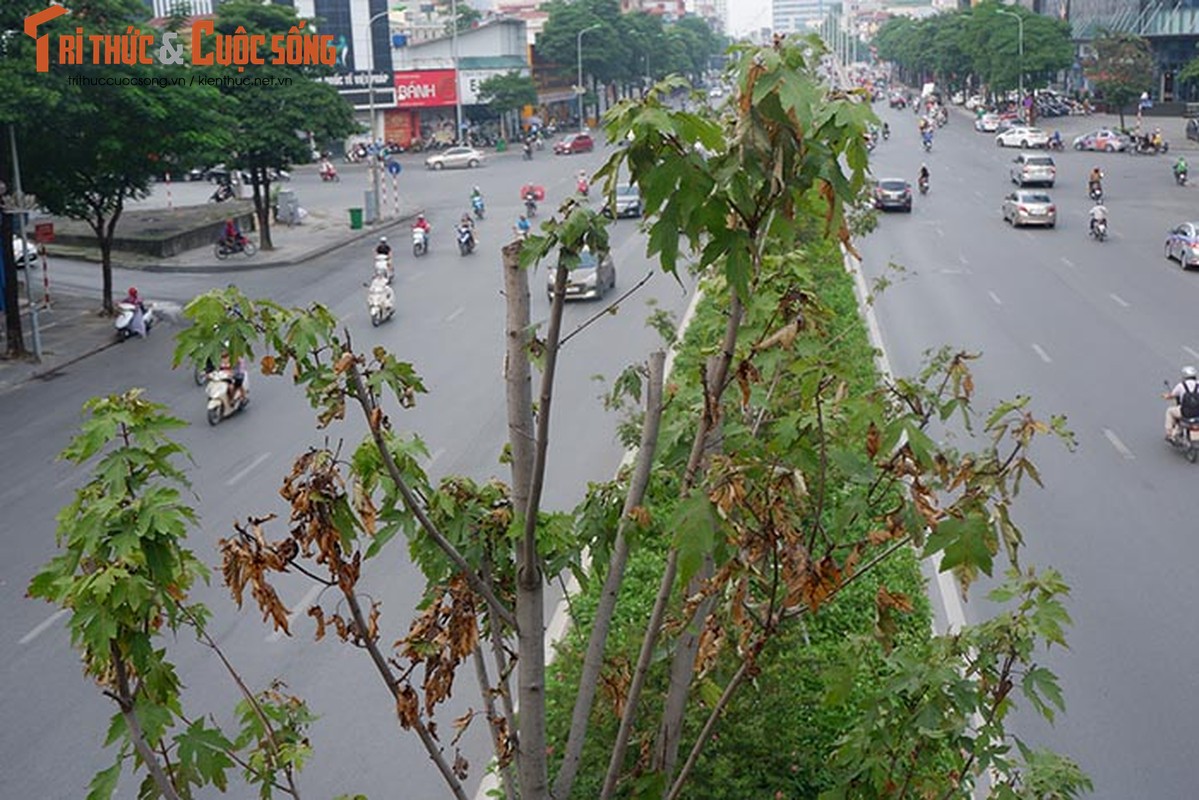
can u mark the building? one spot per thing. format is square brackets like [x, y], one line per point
[797, 16]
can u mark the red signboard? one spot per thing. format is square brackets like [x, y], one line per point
[43, 232]
[425, 88]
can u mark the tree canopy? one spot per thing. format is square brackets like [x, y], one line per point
[1121, 68]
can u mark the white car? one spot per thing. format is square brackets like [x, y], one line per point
[1022, 137]
[974, 101]
[987, 123]
[26, 256]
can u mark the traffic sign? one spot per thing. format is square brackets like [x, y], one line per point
[394, 167]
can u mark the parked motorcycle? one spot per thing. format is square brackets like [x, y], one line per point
[466, 240]
[420, 242]
[220, 406]
[380, 300]
[225, 248]
[476, 203]
[126, 318]
[383, 268]
[1099, 230]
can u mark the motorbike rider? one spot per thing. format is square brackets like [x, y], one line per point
[231, 237]
[522, 226]
[237, 379]
[1097, 213]
[1180, 166]
[531, 200]
[886, 131]
[1055, 141]
[1188, 384]
[922, 176]
[528, 150]
[1156, 139]
[383, 248]
[581, 183]
[137, 325]
[467, 224]
[422, 224]
[1095, 182]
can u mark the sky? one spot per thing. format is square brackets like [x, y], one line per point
[748, 15]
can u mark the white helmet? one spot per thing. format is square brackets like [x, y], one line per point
[1189, 372]
[382, 240]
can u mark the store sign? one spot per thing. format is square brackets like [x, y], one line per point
[425, 88]
[471, 78]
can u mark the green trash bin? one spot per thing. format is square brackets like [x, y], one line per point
[355, 219]
[501, 146]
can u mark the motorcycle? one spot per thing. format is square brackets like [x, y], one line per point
[225, 248]
[220, 406]
[530, 207]
[383, 268]
[1180, 177]
[886, 133]
[1056, 145]
[329, 173]
[1146, 146]
[1186, 436]
[928, 143]
[380, 301]
[466, 240]
[420, 242]
[923, 184]
[1099, 229]
[126, 314]
[527, 152]
[583, 187]
[1096, 193]
[476, 203]
[221, 194]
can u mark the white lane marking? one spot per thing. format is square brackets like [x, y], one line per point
[247, 469]
[978, 194]
[962, 259]
[1121, 448]
[71, 478]
[941, 233]
[40, 629]
[1119, 299]
[1067, 262]
[298, 609]
[46, 327]
[995, 297]
[420, 273]
[1044, 356]
[1191, 351]
[457, 313]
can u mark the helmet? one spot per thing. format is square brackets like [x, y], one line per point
[420, 217]
[923, 166]
[1189, 372]
[475, 189]
[382, 240]
[133, 291]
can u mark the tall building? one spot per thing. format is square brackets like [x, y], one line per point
[797, 16]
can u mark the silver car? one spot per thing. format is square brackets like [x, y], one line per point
[1024, 207]
[590, 279]
[467, 157]
[1028, 168]
[627, 203]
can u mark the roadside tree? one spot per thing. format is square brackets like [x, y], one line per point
[773, 510]
[1121, 69]
[507, 93]
[268, 123]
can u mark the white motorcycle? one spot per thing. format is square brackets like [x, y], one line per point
[220, 406]
[380, 301]
[383, 268]
[125, 322]
[420, 242]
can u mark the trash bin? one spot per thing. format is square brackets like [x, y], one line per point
[501, 146]
[355, 219]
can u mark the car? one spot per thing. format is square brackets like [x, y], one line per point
[1033, 168]
[1023, 137]
[627, 202]
[1108, 141]
[574, 143]
[452, 157]
[1024, 207]
[987, 123]
[892, 193]
[716, 92]
[1183, 244]
[1193, 129]
[589, 279]
[974, 101]
[26, 256]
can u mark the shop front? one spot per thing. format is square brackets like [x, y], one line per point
[425, 108]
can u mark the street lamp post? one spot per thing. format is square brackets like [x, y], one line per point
[579, 50]
[459, 134]
[1020, 45]
[372, 154]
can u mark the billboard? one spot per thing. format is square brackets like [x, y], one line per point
[425, 88]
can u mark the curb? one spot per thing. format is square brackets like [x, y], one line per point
[48, 371]
[241, 266]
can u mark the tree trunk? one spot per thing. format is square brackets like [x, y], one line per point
[103, 231]
[593, 661]
[262, 206]
[12, 299]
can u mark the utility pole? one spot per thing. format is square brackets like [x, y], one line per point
[21, 214]
[579, 50]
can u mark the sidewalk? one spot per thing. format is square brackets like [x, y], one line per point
[71, 329]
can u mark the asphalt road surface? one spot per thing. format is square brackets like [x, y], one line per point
[449, 322]
[1090, 330]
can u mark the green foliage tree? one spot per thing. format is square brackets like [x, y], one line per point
[268, 125]
[125, 575]
[758, 533]
[111, 140]
[507, 93]
[1121, 68]
[468, 17]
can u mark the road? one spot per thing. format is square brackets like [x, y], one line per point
[449, 322]
[1090, 330]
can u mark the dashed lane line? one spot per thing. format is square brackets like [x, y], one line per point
[1040, 352]
[1121, 448]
